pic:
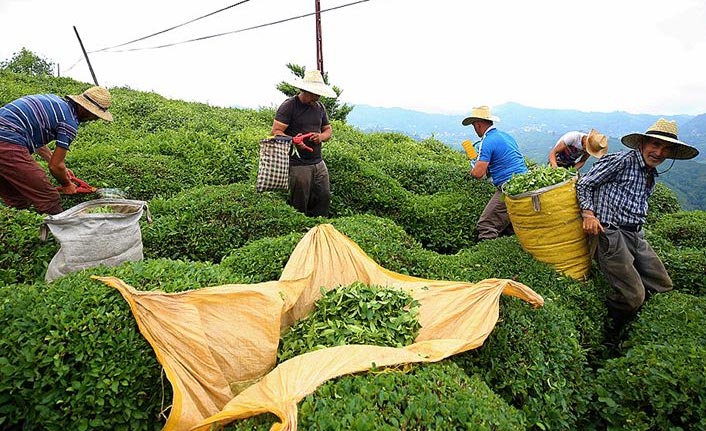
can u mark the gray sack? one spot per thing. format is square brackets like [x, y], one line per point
[98, 232]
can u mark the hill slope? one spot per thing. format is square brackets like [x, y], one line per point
[75, 357]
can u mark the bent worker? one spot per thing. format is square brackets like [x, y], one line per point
[613, 200]
[500, 157]
[27, 125]
[309, 184]
[574, 148]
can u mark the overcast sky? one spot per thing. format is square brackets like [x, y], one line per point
[443, 56]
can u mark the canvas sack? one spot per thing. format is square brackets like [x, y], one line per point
[548, 224]
[97, 232]
[273, 171]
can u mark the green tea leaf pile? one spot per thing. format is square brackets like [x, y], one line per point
[537, 178]
[357, 314]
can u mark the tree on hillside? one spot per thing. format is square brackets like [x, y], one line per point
[28, 63]
[335, 109]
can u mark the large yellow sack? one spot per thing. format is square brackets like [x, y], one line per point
[548, 224]
[218, 345]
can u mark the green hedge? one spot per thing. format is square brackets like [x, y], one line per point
[72, 355]
[360, 187]
[534, 361]
[683, 229]
[660, 381]
[207, 223]
[23, 256]
[418, 398]
[446, 222]
[262, 259]
[663, 201]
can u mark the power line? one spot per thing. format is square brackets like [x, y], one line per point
[171, 28]
[235, 31]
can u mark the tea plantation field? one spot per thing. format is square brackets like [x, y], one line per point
[72, 356]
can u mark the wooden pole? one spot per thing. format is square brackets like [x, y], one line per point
[95, 81]
[319, 49]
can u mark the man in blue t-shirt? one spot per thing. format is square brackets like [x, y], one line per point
[27, 125]
[498, 157]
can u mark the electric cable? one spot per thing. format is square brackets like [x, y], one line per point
[171, 28]
[234, 31]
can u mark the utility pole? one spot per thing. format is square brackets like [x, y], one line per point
[319, 49]
[95, 81]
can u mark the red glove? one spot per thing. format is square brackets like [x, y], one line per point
[299, 141]
[76, 185]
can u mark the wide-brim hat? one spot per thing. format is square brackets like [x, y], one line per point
[96, 100]
[596, 144]
[479, 113]
[665, 131]
[313, 82]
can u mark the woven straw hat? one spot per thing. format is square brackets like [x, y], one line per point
[313, 82]
[596, 144]
[665, 131]
[96, 100]
[479, 113]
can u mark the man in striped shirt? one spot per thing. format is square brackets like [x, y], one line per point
[613, 200]
[27, 125]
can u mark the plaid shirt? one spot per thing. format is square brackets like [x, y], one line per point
[616, 188]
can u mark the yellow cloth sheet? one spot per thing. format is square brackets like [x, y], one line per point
[218, 345]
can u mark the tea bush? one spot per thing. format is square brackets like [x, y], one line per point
[686, 265]
[421, 397]
[207, 223]
[669, 318]
[426, 177]
[73, 357]
[663, 201]
[683, 229]
[659, 382]
[654, 387]
[445, 222]
[583, 300]
[359, 187]
[262, 259]
[77, 361]
[534, 361]
[23, 256]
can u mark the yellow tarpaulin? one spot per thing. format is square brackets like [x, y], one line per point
[548, 225]
[218, 345]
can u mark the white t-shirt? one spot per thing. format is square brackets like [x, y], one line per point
[574, 148]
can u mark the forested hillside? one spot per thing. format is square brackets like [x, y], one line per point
[72, 355]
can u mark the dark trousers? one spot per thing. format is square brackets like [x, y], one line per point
[23, 182]
[310, 189]
[632, 268]
[494, 220]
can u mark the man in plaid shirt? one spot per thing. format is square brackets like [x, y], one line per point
[613, 200]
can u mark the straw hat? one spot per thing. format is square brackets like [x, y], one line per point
[313, 82]
[596, 144]
[665, 131]
[96, 100]
[479, 113]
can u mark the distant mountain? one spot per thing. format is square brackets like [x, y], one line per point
[537, 130]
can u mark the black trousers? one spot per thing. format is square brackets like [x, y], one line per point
[310, 189]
